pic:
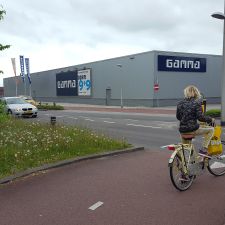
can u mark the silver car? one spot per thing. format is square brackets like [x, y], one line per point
[19, 107]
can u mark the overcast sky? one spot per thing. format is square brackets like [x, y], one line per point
[60, 33]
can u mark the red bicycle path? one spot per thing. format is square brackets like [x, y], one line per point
[135, 189]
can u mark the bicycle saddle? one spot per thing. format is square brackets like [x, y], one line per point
[187, 136]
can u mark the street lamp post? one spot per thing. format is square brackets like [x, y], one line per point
[221, 16]
[121, 89]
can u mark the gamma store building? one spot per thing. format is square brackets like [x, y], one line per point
[154, 78]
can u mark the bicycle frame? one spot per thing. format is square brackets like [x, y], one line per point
[191, 164]
[177, 150]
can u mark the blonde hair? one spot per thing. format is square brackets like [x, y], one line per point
[192, 92]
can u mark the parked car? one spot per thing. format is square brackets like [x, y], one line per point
[29, 99]
[19, 107]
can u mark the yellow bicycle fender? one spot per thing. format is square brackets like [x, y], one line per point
[172, 158]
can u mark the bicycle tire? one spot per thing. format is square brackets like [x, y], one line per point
[177, 180]
[216, 165]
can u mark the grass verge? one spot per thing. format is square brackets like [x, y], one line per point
[46, 106]
[27, 145]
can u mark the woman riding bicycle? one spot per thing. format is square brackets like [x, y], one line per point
[189, 113]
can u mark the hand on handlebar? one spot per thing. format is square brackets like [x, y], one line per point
[213, 122]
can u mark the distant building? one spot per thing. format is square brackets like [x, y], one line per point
[1, 91]
[154, 78]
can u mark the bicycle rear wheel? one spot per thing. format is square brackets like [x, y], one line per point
[180, 181]
[216, 165]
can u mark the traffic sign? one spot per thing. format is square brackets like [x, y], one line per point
[156, 87]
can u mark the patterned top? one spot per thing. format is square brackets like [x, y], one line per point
[189, 112]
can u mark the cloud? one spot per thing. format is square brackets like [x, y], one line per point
[67, 32]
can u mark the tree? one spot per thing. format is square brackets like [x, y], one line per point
[2, 47]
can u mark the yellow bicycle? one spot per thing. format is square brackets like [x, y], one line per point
[185, 164]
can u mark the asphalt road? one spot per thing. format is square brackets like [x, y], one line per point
[138, 129]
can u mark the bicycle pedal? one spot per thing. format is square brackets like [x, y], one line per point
[205, 156]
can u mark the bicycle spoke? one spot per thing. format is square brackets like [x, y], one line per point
[179, 180]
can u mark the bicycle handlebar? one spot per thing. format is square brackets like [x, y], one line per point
[213, 123]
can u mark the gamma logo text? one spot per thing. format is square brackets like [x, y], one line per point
[66, 84]
[181, 64]
[176, 63]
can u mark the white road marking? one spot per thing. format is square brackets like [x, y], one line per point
[172, 122]
[139, 125]
[108, 121]
[70, 117]
[166, 124]
[89, 120]
[84, 117]
[96, 205]
[132, 120]
[47, 114]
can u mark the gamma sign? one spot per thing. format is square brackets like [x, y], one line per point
[74, 83]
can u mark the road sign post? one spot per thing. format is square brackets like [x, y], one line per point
[156, 89]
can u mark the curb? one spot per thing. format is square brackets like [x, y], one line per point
[67, 162]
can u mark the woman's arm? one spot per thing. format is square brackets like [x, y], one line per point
[200, 115]
[178, 113]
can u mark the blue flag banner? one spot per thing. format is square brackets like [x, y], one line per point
[22, 67]
[27, 64]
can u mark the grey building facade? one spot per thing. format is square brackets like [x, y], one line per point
[154, 78]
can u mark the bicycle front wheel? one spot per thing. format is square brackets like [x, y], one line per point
[216, 165]
[180, 181]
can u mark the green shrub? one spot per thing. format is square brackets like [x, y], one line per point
[1, 107]
[46, 106]
[213, 112]
[3, 116]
